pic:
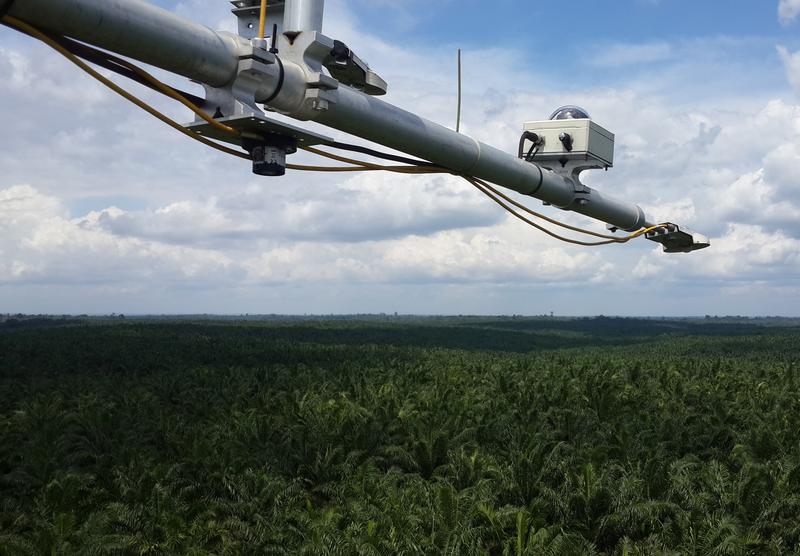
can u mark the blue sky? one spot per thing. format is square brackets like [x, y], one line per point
[564, 53]
[511, 22]
[104, 210]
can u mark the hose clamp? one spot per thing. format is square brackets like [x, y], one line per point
[279, 86]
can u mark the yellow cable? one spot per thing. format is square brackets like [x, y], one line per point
[404, 169]
[262, 20]
[164, 88]
[21, 25]
[534, 224]
[647, 230]
[330, 168]
[177, 96]
[430, 170]
[567, 226]
[172, 93]
[487, 190]
[116, 88]
[542, 216]
[358, 166]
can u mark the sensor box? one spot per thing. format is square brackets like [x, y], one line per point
[591, 143]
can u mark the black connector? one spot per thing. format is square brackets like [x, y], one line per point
[378, 154]
[274, 46]
[536, 142]
[269, 153]
[340, 52]
[566, 140]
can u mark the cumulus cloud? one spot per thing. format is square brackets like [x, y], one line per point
[616, 55]
[788, 10]
[363, 208]
[39, 244]
[753, 199]
[743, 254]
[312, 242]
[791, 61]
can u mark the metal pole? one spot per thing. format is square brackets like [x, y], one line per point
[371, 118]
[152, 35]
[458, 114]
[142, 31]
[303, 15]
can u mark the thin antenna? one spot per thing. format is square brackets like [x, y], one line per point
[274, 47]
[458, 116]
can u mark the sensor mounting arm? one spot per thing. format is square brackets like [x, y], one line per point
[295, 84]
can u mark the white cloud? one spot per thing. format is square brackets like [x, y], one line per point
[744, 254]
[788, 10]
[725, 164]
[752, 199]
[495, 256]
[16, 69]
[39, 244]
[791, 61]
[362, 208]
[617, 55]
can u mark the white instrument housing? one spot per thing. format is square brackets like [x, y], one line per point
[591, 144]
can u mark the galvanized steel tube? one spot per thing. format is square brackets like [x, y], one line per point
[155, 36]
[141, 31]
[303, 15]
[371, 118]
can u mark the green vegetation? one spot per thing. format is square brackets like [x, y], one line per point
[445, 436]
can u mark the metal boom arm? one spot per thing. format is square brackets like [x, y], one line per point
[295, 84]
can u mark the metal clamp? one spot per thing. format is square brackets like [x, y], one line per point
[675, 239]
[248, 12]
[351, 70]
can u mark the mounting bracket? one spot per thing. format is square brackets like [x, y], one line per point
[677, 240]
[255, 126]
[248, 13]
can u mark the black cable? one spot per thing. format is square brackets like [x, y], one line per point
[527, 136]
[379, 154]
[279, 86]
[117, 65]
[274, 47]
[111, 63]
[532, 152]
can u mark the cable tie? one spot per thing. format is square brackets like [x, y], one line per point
[279, 86]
